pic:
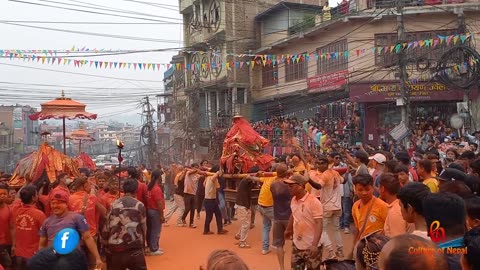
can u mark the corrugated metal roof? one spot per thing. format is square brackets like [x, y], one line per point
[168, 73]
[287, 5]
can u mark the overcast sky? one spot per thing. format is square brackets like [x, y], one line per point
[26, 83]
[31, 83]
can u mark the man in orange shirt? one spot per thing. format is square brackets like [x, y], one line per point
[369, 213]
[28, 220]
[388, 189]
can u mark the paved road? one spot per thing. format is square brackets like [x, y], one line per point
[187, 248]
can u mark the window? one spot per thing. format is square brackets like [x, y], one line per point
[3, 141]
[241, 96]
[269, 75]
[332, 64]
[432, 54]
[385, 59]
[215, 15]
[296, 70]
[194, 20]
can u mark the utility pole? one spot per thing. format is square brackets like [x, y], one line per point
[402, 65]
[148, 131]
[462, 28]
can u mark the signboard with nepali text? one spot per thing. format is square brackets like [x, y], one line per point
[390, 91]
[327, 82]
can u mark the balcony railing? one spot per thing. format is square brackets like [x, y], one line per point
[393, 3]
[343, 9]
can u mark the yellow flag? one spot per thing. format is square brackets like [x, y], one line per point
[455, 39]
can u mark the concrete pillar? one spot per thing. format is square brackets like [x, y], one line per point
[234, 101]
[208, 105]
[217, 94]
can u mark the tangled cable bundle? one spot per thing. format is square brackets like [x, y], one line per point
[459, 67]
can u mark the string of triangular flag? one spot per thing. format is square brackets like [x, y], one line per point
[394, 48]
[86, 63]
[51, 56]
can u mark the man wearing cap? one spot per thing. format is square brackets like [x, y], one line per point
[305, 225]
[378, 161]
[451, 174]
[60, 219]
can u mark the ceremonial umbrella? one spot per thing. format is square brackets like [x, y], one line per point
[81, 135]
[63, 108]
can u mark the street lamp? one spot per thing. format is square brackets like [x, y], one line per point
[120, 146]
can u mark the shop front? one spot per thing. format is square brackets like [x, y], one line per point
[430, 102]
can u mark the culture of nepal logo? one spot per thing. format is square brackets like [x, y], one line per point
[438, 235]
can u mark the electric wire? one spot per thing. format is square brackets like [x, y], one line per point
[80, 74]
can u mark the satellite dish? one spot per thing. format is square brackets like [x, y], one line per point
[456, 121]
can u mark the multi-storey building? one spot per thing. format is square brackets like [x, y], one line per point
[18, 134]
[349, 53]
[166, 117]
[216, 32]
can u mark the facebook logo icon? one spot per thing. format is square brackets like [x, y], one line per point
[66, 241]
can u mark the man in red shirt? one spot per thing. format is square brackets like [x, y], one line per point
[113, 192]
[133, 173]
[101, 183]
[86, 204]
[7, 229]
[28, 220]
[155, 207]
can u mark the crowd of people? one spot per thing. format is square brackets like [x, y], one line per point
[109, 209]
[286, 135]
[418, 207]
